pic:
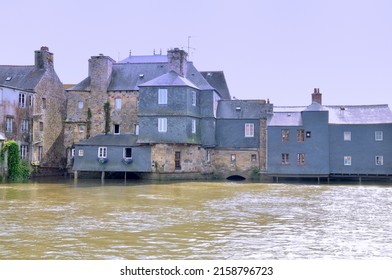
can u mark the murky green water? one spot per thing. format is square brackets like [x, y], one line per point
[194, 220]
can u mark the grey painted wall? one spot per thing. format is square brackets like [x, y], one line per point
[363, 148]
[141, 159]
[315, 148]
[230, 133]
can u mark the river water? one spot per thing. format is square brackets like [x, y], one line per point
[194, 220]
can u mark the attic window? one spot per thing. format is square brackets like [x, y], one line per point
[141, 76]
[238, 108]
[8, 78]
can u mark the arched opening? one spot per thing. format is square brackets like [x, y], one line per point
[236, 178]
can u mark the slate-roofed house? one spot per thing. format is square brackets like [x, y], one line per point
[163, 100]
[330, 141]
[32, 109]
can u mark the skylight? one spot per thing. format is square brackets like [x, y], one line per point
[8, 78]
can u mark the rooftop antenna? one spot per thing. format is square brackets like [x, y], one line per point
[189, 47]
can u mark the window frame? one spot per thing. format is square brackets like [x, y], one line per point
[300, 159]
[116, 129]
[285, 135]
[193, 126]
[162, 125]
[379, 160]
[24, 149]
[80, 104]
[249, 130]
[379, 135]
[194, 98]
[22, 100]
[285, 158]
[9, 123]
[300, 135]
[102, 152]
[118, 103]
[347, 160]
[162, 96]
[347, 136]
[125, 152]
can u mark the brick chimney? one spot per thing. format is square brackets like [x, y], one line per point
[43, 58]
[317, 96]
[177, 61]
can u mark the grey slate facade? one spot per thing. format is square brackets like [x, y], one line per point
[336, 141]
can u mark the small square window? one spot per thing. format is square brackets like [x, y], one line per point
[253, 157]
[81, 128]
[81, 153]
[347, 160]
[233, 158]
[378, 135]
[379, 160]
[347, 136]
[80, 104]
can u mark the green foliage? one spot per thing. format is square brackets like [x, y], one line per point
[89, 116]
[106, 108]
[17, 170]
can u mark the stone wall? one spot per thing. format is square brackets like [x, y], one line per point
[126, 117]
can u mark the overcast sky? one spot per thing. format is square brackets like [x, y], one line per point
[276, 49]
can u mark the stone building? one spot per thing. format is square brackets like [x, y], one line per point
[33, 109]
[171, 109]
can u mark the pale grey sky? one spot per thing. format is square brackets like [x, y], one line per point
[276, 49]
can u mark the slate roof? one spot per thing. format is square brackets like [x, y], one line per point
[169, 79]
[240, 109]
[110, 140]
[22, 77]
[217, 80]
[338, 114]
[129, 73]
[285, 119]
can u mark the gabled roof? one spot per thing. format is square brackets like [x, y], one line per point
[169, 79]
[110, 140]
[22, 77]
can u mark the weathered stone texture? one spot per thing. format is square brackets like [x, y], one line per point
[244, 163]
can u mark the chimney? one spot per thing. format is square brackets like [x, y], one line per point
[317, 96]
[100, 71]
[43, 58]
[177, 61]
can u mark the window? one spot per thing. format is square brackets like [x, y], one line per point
[80, 104]
[162, 124]
[177, 160]
[347, 136]
[249, 130]
[285, 135]
[43, 103]
[116, 129]
[25, 125]
[347, 160]
[81, 128]
[102, 152]
[136, 129]
[193, 98]
[117, 103]
[22, 100]
[127, 153]
[31, 101]
[379, 160]
[41, 126]
[308, 134]
[8, 124]
[72, 152]
[193, 126]
[208, 156]
[300, 159]
[253, 157]
[378, 135]
[300, 135]
[23, 151]
[162, 96]
[285, 159]
[81, 153]
[233, 158]
[40, 152]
